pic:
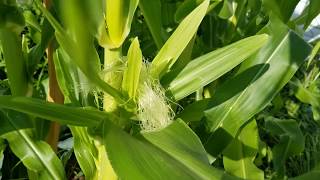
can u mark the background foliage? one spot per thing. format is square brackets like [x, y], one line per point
[241, 83]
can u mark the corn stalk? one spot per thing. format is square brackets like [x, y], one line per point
[113, 76]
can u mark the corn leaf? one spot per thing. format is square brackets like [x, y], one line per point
[238, 158]
[165, 155]
[310, 96]
[84, 151]
[313, 54]
[309, 13]
[70, 116]
[75, 92]
[180, 38]
[227, 9]
[2, 148]
[291, 141]
[37, 156]
[67, 76]
[54, 112]
[313, 11]
[84, 148]
[207, 68]
[35, 54]
[132, 73]
[11, 16]
[282, 8]
[195, 111]
[21, 121]
[151, 11]
[182, 61]
[312, 175]
[15, 62]
[83, 52]
[119, 142]
[72, 82]
[258, 80]
[185, 8]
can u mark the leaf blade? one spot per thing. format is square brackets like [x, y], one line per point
[158, 160]
[151, 11]
[239, 155]
[268, 79]
[35, 155]
[55, 112]
[174, 46]
[205, 69]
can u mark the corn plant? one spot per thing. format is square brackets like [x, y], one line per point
[153, 89]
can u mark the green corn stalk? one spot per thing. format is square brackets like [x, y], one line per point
[118, 17]
[113, 75]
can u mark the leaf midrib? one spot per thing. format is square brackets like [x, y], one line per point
[31, 146]
[246, 89]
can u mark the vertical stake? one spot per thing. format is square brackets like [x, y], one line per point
[55, 95]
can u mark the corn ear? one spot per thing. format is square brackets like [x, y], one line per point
[119, 15]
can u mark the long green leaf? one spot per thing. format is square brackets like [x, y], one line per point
[84, 148]
[81, 48]
[313, 175]
[309, 96]
[11, 16]
[314, 52]
[15, 62]
[64, 115]
[21, 121]
[151, 11]
[309, 13]
[67, 76]
[313, 11]
[188, 5]
[37, 156]
[165, 155]
[207, 68]
[291, 141]
[238, 158]
[227, 10]
[2, 148]
[185, 8]
[90, 160]
[175, 45]
[54, 112]
[136, 152]
[85, 151]
[258, 80]
[282, 8]
[36, 52]
[83, 51]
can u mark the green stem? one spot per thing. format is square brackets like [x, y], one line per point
[15, 64]
[112, 60]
